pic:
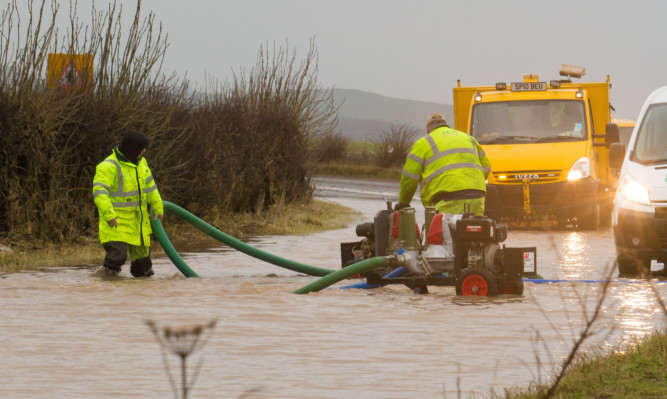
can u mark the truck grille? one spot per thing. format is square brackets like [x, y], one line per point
[513, 177]
[512, 196]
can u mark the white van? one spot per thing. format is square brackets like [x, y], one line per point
[639, 217]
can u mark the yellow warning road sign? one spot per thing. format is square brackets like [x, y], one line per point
[66, 70]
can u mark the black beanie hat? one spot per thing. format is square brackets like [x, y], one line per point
[132, 144]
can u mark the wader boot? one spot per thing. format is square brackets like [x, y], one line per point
[116, 254]
[142, 267]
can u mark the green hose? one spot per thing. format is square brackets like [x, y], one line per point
[226, 239]
[169, 249]
[332, 278]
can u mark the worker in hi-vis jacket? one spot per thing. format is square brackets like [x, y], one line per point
[451, 167]
[123, 190]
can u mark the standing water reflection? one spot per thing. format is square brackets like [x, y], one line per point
[68, 334]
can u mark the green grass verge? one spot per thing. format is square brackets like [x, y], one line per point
[636, 371]
[356, 170]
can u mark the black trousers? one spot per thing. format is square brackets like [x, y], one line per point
[116, 255]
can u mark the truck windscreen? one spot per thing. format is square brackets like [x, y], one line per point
[651, 142]
[505, 122]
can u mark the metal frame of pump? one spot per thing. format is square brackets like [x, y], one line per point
[469, 255]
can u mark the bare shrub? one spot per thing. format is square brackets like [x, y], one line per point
[255, 133]
[53, 137]
[330, 147]
[393, 146]
[241, 147]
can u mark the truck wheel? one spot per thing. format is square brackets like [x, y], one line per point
[633, 266]
[590, 220]
[476, 281]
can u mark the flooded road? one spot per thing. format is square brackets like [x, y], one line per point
[66, 334]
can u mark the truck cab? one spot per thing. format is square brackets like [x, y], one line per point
[625, 128]
[546, 143]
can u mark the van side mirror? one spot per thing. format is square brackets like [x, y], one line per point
[616, 155]
[611, 135]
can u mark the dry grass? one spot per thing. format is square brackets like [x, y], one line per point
[26, 256]
[293, 219]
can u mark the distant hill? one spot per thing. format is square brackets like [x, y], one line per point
[364, 116]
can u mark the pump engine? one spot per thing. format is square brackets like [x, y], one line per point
[464, 250]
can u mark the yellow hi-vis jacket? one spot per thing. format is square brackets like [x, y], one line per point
[443, 160]
[124, 190]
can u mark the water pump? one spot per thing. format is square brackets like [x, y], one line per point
[463, 250]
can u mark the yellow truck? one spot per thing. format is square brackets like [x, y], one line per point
[548, 143]
[625, 128]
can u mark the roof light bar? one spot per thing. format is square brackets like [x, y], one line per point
[572, 71]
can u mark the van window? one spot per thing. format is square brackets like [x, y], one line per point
[528, 121]
[651, 141]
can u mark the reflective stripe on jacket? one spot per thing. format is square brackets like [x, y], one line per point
[444, 160]
[124, 190]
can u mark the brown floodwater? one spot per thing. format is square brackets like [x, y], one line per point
[67, 334]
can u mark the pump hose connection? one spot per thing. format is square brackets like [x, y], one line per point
[329, 276]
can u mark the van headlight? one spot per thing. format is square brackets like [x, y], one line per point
[633, 190]
[580, 169]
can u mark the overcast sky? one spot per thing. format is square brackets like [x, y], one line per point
[418, 49]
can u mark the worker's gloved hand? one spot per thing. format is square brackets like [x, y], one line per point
[400, 205]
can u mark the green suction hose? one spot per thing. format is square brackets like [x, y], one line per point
[171, 252]
[226, 239]
[332, 278]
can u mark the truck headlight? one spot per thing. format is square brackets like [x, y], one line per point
[633, 190]
[580, 169]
